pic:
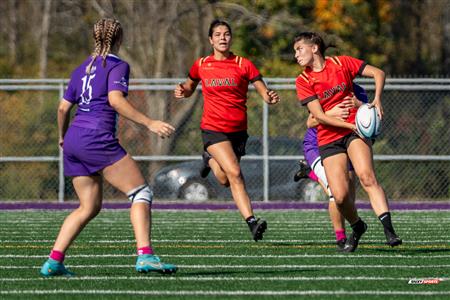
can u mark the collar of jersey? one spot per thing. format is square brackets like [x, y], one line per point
[112, 55]
[211, 57]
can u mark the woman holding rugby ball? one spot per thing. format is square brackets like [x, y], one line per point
[324, 83]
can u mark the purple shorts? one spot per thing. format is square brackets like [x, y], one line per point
[87, 151]
[311, 154]
[311, 148]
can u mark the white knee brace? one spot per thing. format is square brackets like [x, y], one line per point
[142, 193]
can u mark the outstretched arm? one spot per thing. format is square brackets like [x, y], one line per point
[124, 108]
[269, 96]
[186, 89]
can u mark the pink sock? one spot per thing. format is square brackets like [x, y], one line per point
[145, 250]
[340, 234]
[57, 255]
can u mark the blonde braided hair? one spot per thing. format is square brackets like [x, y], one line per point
[106, 33]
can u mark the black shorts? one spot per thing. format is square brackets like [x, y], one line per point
[338, 146]
[237, 139]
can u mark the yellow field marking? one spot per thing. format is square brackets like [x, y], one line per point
[404, 247]
[113, 247]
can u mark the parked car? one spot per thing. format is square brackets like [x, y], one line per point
[183, 181]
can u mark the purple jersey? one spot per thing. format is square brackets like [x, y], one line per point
[310, 144]
[90, 92]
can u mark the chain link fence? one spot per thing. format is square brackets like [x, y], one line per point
[412, 156]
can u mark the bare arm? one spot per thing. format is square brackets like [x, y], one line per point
[316, 110]
[124, 108]
[186, 89]
[379, 77]
[269, 96]
[64, 109]
[340, 111]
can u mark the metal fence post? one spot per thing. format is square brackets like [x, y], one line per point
[60, 161]
[266, 151]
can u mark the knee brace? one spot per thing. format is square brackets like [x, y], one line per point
[142, 193]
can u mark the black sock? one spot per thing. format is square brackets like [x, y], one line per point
[358, 226]
[251, 220]
[385, 219]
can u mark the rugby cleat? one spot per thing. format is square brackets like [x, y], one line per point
[352, 242]
[392, 239]
[257, 229]
[204, 171]
[55, 268]
[151, 263]
[340, 244]
[303, 172]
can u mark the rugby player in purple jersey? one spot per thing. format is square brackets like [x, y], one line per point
[92, 152]
[314, 169]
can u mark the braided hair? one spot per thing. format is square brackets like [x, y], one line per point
[106, 33]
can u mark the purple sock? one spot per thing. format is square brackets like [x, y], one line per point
[145, 250]
[340, 234]
[57, 255]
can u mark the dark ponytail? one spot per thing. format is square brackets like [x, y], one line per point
[313, 38]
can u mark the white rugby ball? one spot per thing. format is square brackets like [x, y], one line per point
[368, 122]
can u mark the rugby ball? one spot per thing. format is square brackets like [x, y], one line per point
[368, 122]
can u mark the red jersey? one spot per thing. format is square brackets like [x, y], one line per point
[330, 86]
[224, 87]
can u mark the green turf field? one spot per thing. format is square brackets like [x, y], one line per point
[217, 259]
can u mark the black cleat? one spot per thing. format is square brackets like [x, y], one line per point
[340, 244]
[257, 229]
[303, 172]
[352, 242]
[204, 171]
[392, 239]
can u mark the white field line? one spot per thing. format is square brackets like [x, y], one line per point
[80, 241]
[216, 278]
[290, 266]
[288, 256]
[215, 222]
[222, 221]
[224, 293]
[320, 229]
[178, 236]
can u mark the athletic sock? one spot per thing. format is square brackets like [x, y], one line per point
[340, 234]
[145, 250]
[358, 226]
[57, 255]
[385, 219]
[251, 221]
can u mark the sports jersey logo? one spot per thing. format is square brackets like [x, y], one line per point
[220, 82]
[334, 90]
[123, 82]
